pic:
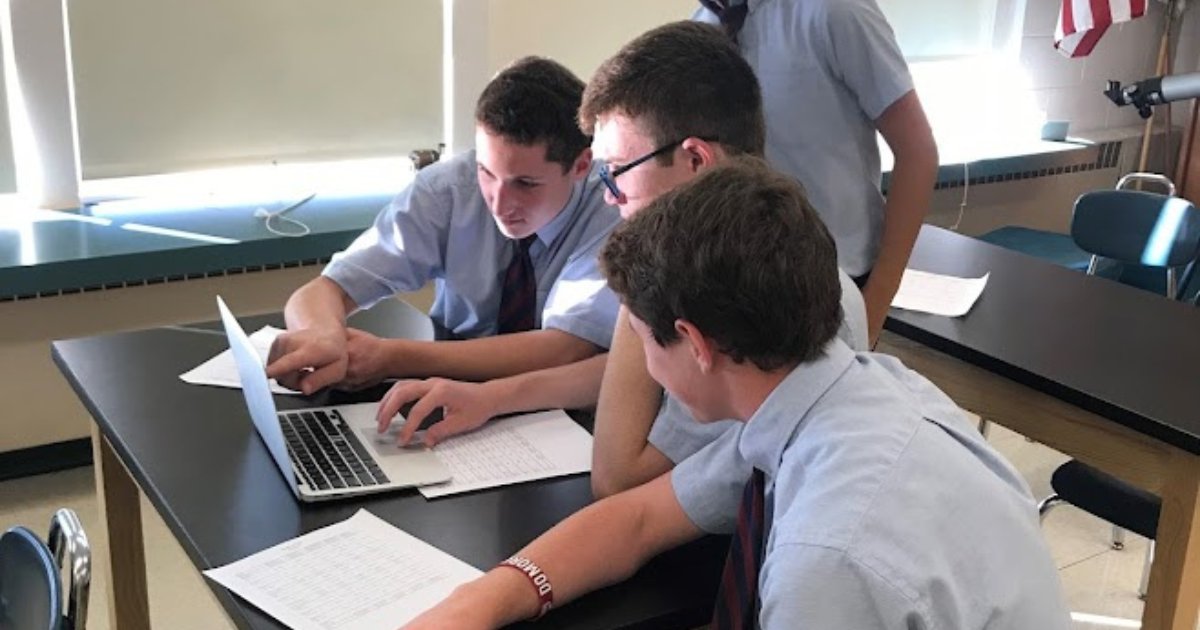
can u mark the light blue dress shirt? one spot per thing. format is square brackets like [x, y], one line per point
[887, 508]
[828, 70]
[440, 229]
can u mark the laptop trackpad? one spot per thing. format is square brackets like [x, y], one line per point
[385, 443]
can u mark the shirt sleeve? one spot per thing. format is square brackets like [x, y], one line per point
[824, 588]
[580, 302]
[678, 435]
[860, 50]
[709, 484]
[401, 251]
[853, 330]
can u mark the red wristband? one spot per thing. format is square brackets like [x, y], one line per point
[538, 578]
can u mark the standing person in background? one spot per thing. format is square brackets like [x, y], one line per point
[832, 75]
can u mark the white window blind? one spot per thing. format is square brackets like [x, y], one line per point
[168, 85]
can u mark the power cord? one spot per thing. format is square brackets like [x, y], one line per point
[962, 206]
[267, 216]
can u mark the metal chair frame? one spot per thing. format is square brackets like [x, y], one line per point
[66, 543]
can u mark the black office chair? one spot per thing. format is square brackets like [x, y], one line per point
[31, 590]
[1151, 231]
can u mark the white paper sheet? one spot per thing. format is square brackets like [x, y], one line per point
[513, 450]
[222, 371]
[361, 573]
[938, 294]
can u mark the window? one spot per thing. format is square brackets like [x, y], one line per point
[168, 85]
[941, 29]
[964, 58]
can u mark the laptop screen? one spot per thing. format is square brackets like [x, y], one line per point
[257, 392]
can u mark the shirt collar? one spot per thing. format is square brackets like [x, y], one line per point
[555, 227]
[771, 427]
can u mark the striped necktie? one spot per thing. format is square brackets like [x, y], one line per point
[737, 599]
[732, 14]
[518, 295]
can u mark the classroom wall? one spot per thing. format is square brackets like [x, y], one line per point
[579, 33]
[1070, 89]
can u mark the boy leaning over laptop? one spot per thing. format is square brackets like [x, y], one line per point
[871, 502]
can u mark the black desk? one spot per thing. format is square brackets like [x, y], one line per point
[165, 435]
[1103, 372]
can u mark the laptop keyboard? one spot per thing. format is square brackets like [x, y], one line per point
[326, 452]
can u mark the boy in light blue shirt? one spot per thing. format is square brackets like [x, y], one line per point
[508, 233]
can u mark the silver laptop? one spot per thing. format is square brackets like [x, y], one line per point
[326, 452]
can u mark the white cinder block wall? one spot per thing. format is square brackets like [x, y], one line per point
[1070, 89]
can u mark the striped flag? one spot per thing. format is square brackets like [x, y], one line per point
[1081, 23]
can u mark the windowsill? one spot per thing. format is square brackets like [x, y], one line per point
[131, 240]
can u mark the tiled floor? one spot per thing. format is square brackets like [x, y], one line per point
[1100, 583]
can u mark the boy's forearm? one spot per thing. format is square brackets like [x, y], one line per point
[487, 358]
[907, 132]
[629, 402]
[636, 526]
[573, 386]
[319, 303]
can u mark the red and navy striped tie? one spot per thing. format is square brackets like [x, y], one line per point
[737, 599]
[518, 294]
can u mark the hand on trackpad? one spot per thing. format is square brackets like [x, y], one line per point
[385, 443]
[390, 436]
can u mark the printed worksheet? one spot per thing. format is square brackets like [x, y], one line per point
[938, 294]
[513, 450]
[221, 371]
[362, 573]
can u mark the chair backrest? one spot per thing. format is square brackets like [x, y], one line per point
[1134, 227]
[31, 596]
[31, 590]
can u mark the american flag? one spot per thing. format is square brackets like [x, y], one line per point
[1081, 23]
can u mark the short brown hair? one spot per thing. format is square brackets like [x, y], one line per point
[683, 79]
[740, 254]
[535, 100]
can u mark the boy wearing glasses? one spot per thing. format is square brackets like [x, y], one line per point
[671, 104]
[872, 503]
[508, 233]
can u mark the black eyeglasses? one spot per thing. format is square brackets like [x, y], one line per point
[609, 176]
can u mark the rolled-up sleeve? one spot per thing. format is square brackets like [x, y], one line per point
[401, 251]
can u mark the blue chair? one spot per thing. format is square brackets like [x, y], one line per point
[1141, 239]
[32, 596]
[1143, 232]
